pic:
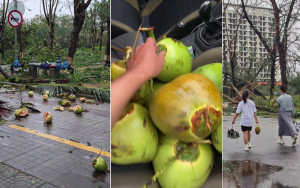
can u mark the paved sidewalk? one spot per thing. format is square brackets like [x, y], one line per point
[55, 163]
[267, 164]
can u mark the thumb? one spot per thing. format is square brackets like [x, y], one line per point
[161, 56]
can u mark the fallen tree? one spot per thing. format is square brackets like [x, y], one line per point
[238, 97]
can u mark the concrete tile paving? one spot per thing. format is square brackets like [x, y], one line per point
[49, 163]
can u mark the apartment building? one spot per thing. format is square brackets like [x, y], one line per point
[251, 54]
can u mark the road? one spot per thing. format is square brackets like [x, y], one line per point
[267, 164]
[34, 154]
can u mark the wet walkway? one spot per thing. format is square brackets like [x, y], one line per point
[55, 155]
[267, 164]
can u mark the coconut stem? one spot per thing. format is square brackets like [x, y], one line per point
[203, 142]
[118, 49]
[157, 174]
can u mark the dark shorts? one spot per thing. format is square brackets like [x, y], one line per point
[244, 128]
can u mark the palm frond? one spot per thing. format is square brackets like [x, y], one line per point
[101, 95]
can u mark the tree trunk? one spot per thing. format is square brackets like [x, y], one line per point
[101, 37]
[93, 16]
[51, 33]
[282, 64]
[78, 21]
[4, 73]
[273, 68]
[19, 33]
[2, 39]
[107, 50]
[4, 14]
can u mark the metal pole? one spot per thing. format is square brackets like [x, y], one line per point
[16, 39]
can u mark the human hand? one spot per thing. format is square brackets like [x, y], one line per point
[145, 62]
[233, 121]
[274, 98]
[257, 121]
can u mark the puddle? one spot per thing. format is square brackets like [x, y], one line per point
[86, 157]
[248, 174]
[48, 127]
[99, 176]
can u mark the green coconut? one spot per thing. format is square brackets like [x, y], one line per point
[48, 117]
[189, 108]
[46, 92]
[217, 138]
[72, 97]
[272, 102]
[45, 97]
[156, 86]
[213, 72]
[178, 60]
[64, 102]
[99, 164]
[77, 109]
[17, 112]
[180, 164]
[118, 69]
[257, 130]
[30, 93]
[134, 137]
[141, 95]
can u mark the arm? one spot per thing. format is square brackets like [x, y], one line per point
[255, 117]
[234, 118]
[143, 65]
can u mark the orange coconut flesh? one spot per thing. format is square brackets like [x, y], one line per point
[204, 119]
[76, 107]
[128, 110]
[46, 115]
[24, 112]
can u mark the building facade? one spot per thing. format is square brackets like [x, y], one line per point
[252, 58]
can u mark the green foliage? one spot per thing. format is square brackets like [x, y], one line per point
[294, 85]
[85, 57]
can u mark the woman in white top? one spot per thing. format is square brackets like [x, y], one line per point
[248, 111]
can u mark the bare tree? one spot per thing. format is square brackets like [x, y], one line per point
[282, 27]
[79, 16]
[231, 46]
[103, 10]
[107, 49]
[93, 26]
[3, 21]
[49, 7]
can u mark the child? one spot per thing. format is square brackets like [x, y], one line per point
[248, 110]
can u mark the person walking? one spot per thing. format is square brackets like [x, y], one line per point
[248, 113]
[285, 116]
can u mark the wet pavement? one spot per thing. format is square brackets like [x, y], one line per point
[55, 155]
[267, 164]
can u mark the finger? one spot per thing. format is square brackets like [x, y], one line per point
[139, 47]
[150, 41]
[161, 56]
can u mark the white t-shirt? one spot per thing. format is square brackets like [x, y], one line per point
[247, 109]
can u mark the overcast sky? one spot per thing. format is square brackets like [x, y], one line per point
[35, 7]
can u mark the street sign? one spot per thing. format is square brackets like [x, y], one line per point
[15, 18]
[20, 7]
